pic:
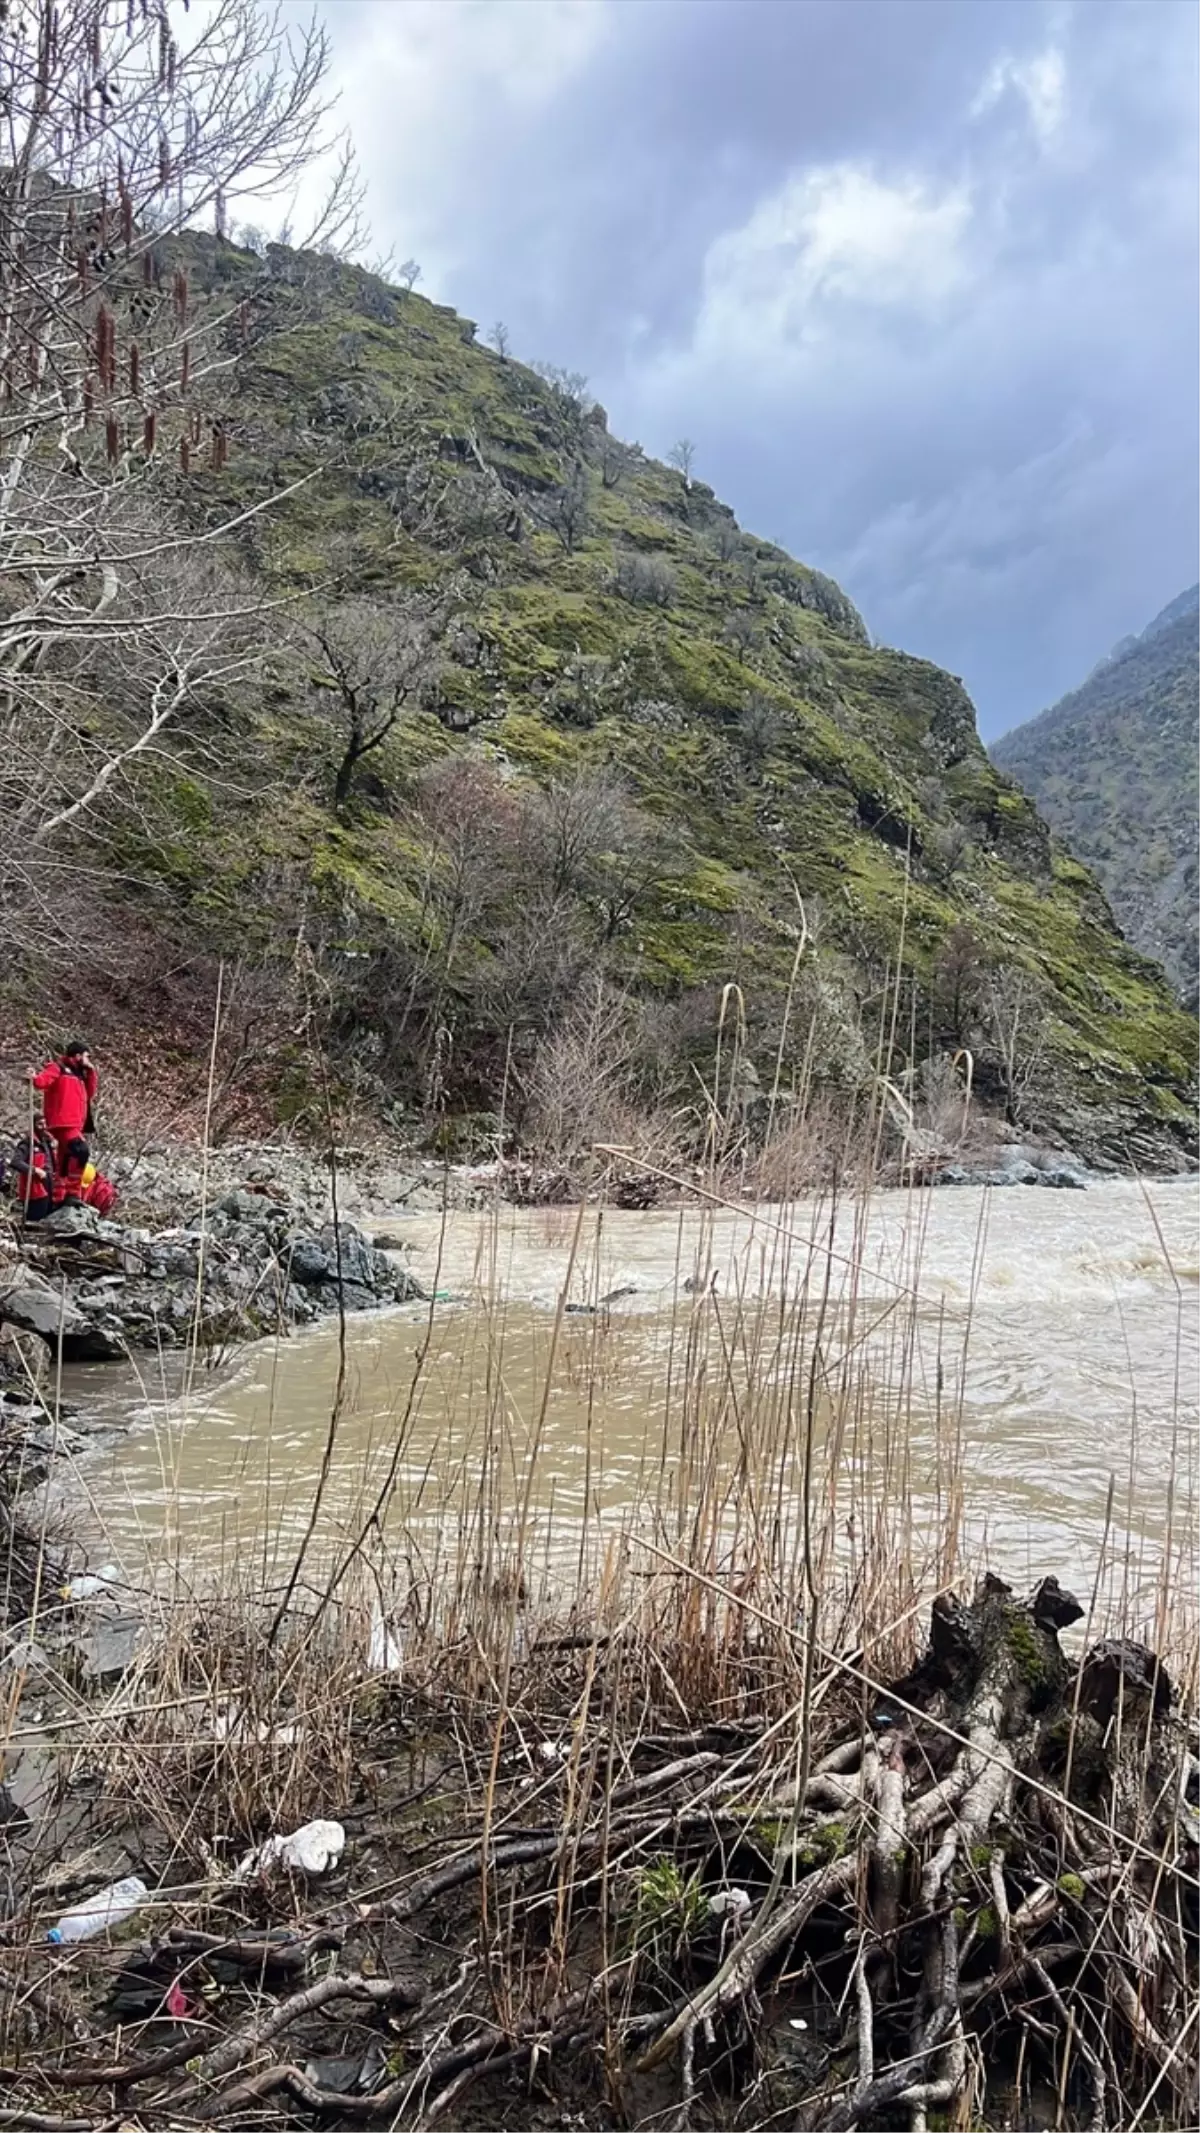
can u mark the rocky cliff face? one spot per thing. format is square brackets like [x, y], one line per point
[1113, 766]
[642, 756]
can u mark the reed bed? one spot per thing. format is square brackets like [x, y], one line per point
[749, 1799]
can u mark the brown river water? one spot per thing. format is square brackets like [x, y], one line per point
[1035, 1349]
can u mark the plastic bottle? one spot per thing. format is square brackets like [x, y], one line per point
[100, 1913]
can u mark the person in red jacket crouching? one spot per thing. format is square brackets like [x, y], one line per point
[68, 1090]
[30, 1174]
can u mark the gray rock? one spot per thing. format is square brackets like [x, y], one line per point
[34, 1305]
[357, 1257]
[307, 1260]
[355, 1296]
[73, 1220]
[1016, 1171]
[99, 1340]
[107, 1647]
[24, 1356]
[1062, 1177]
[252, 1211]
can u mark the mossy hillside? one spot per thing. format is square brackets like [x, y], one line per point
[733, 689]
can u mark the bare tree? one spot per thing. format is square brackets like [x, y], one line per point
[1014, 1013]
[372, 663]
[409, 274]
[682, 456]
[741, 629]
[570, 386]
[958, 982]
[572, 508]
[499, 338]
[119, 129]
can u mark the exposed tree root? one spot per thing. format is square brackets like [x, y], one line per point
[990, 1879]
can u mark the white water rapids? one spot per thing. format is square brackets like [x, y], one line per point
[1066, 1322]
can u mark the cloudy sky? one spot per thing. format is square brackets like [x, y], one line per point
[918, 276]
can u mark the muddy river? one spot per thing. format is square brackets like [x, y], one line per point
[1021, 1361]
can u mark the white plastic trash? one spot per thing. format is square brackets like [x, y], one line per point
[730, 1903]
[310, 1850]
[100, 1913]
[89, 1583]
[385, 1653]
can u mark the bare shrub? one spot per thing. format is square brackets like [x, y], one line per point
[727, 539]
[759, 731]
[568, 386]
[579, 1084]
[804, 1149]
[946, 847]
[584, 1093]
[741, 629]
[646, 580]
[959, 978]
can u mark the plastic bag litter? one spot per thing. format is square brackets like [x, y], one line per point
[314, 1849]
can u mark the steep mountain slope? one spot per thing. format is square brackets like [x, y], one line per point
[1114, 768]
[639, 757]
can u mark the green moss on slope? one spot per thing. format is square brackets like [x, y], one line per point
[732, 689]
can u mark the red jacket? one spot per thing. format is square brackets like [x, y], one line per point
[33, 1173]
[67, 1095]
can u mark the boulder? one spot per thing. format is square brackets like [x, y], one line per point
[255, 1209]
[73, 1220]
[357, 1257]
[96, 1340]
[354, 1296]
[24, 1357]
[1019, 1172]
[36, 1307]
[307, 1260]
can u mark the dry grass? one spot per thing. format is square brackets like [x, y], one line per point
[739, 1610]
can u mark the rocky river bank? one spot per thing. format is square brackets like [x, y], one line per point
[251, 1264]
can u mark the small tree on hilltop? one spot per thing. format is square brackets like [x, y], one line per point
[682, 456]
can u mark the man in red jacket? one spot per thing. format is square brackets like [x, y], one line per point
[68, 1088]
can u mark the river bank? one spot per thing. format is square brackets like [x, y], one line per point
[627, 1611]
[675, 1858]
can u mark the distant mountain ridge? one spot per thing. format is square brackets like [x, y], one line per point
[1114, 767]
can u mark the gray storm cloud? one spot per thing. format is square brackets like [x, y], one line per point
[918, 277]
